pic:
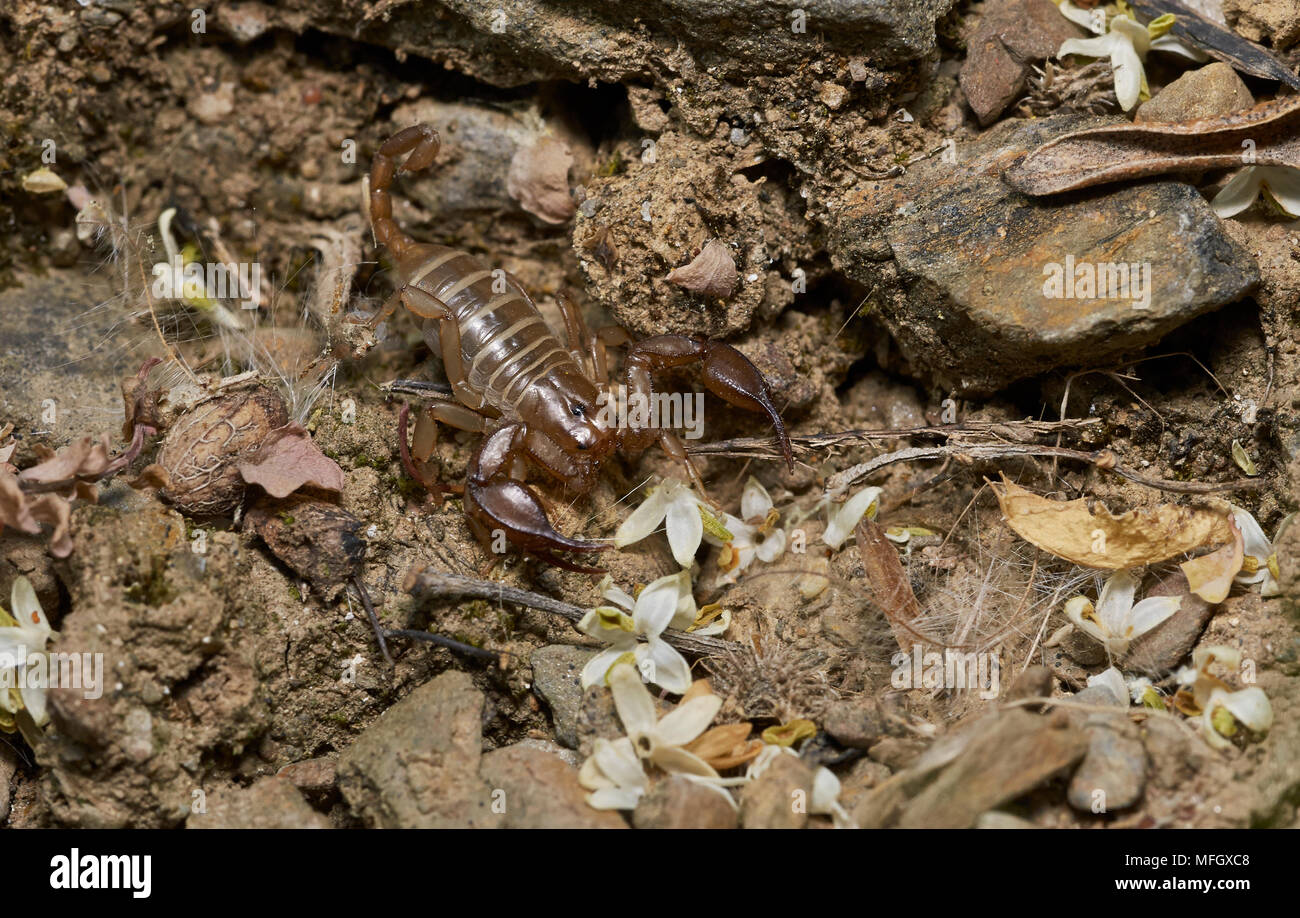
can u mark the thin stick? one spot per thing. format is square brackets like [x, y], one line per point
[433, 584]
[374, 619]
[449, 643]
[1014, 431]
[971, 452]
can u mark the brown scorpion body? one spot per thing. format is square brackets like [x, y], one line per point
[504, 363]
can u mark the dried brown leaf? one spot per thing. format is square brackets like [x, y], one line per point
[539, 180]
[712, 273]
[1092, 536]
[289, 460]
[1210, 576]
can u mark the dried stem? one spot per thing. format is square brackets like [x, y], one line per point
[431, 584]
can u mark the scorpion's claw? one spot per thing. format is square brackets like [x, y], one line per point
[508, 508]
[729, 374]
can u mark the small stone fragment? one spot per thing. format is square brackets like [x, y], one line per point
[680, 803]
[779, 797]
[557, 677]
[535, 789]
[320, 541]
[271, 803]
[856, 723]
[1214, 89]
[417, 765]
[1114, 771]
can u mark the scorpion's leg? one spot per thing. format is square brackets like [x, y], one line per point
[427, 306]
[500, 506]
[727, 373]
[575, 327]
[414, 459]
[601, 342]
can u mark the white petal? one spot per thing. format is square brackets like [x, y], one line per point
[755, 502]
[1173, 46]
[34, 701]
[1074, 610]
[687, 721]
[27, 609]
[1150, 612]
[1238, 194]
[1255, 545]
[597, 667]
[615, 593]
[656, 606]
[685, 530]
[1126, 65]
[687, 611]
[644, 520]
[660, 663]
[605, 623]
[772, 547]
[618, 761]
[615, 798]
[825, 791]
[632, 699]
[591, 777]
[1132, 33]
[1116, 601]
[846, 517]
[1086, 47]
[1284, 185]
[714, 785]
[1113, 680]
[1093, 20]
[1250, 707]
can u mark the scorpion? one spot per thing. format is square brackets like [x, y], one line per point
[536, 399]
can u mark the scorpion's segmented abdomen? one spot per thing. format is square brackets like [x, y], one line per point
[505, 342]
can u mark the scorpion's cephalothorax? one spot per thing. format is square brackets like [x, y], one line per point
[505, 363]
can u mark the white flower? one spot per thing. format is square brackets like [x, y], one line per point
[842, 521]
[664, 602]
[1260, 561]
[1126, 43]
[615, 771]
[22, 635]
[754, 534]
[1281, 184]
[1248, 706]
[685, 511]
[1115, 621]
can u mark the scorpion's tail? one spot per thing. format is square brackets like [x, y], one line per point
[421, 142]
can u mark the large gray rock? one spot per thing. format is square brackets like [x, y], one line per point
[557, 677]
[972, 259]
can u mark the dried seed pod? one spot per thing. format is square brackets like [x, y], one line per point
[712, 273]
[321, 542]
[203, 448]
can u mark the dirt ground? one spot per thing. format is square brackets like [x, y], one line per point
[242, 688]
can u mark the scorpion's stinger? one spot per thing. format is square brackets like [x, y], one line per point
[422, 143]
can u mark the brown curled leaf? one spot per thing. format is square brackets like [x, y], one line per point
[84, 458]
[712, 273]
[151, 476]
[289, 460]
[1122, 152]
[726, 745]
[890, 585]
[1092, 536]
[1210, 576]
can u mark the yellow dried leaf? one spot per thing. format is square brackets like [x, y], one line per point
[1210, 576]
[1092, 536]
[1243, 460]
[789, 734]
